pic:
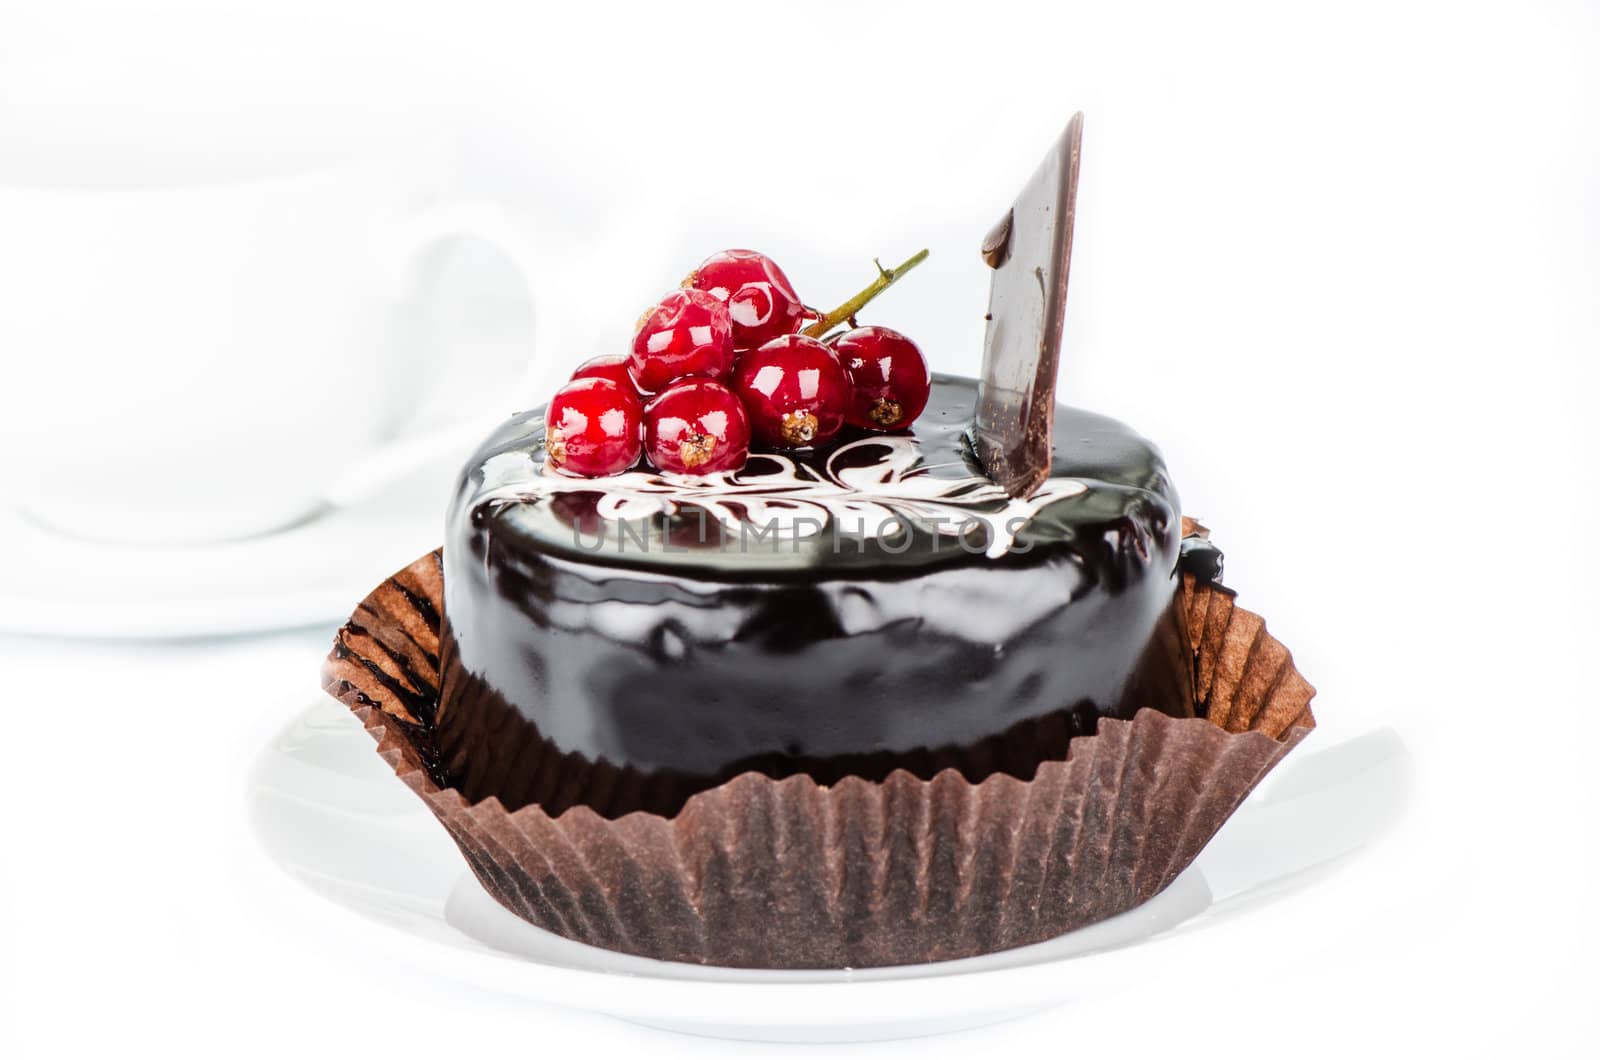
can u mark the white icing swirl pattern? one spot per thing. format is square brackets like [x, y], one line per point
[854, 493]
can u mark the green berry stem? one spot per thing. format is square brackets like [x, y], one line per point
[848, 310]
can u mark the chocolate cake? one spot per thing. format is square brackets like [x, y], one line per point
[969, 593]
[871, 605]
[759, 645]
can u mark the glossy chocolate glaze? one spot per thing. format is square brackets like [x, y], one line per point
[629, 680]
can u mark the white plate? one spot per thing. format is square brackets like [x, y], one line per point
[315, 572]
[331, 813]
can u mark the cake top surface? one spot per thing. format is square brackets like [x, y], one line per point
[863, 504]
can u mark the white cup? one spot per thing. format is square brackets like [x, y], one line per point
[215, 251]
[202, 361]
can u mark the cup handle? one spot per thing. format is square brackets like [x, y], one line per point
[415, 369]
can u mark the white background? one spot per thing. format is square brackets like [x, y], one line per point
[1340, 261]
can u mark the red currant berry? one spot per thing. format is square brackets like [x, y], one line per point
[760, 298]
[888, 378]
[794, 390]
[612, 366]
[591, 428]
[697, 426]
[686, 333]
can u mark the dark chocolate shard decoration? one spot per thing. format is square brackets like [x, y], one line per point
[1029, 251]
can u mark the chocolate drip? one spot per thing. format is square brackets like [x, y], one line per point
[1199, 557]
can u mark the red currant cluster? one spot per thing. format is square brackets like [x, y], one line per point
[722, 361]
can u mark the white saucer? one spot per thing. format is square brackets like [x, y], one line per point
[331, 813]
[312, 573]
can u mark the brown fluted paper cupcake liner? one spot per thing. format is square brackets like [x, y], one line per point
[792, 874]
